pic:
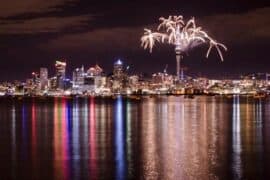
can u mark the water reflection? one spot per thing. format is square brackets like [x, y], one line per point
[92, 141]
[24, 153]
[259, 125]
[237, 146]
[149, 144]
[13, 130]
[131, 138]
[155, 138]
[34, 132]
[75, 139]
[61, 139]
[187, 143]
[119, 140]
[102, 128]
[13, 141]
[82, 165]
[259, 139]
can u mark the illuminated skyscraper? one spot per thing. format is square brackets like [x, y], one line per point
[35, 78]
[118, 76]
[118, 69]
[78, 76]
[43, 78]
[92, 79]
[60, 74]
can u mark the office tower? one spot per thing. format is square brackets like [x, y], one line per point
[78, 76]
[118, 69]
[43, 78]
[60, 74]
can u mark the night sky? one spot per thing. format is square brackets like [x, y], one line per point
[35, 33]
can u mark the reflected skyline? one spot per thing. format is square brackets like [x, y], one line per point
[165, 138]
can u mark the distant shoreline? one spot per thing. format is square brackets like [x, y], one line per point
[135, 97]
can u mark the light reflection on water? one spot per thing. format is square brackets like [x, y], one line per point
[155, 138]
[92, 141]
[237, 149]
[119, 140]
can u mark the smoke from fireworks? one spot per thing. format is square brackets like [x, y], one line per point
[183, 36]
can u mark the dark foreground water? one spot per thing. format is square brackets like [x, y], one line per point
[154, 138]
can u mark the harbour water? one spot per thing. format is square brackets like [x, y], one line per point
[163, 137]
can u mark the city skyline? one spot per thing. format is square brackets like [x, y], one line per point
[142, 89]
[35, 33]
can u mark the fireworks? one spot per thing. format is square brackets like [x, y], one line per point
[149, 38]
[184, 36]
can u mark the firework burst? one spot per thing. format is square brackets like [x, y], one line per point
[183, 35]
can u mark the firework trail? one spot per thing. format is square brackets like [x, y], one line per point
[183, 35]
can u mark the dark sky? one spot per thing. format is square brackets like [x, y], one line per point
[35, 33]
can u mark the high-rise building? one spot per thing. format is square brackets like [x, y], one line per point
[78, 77]
[52, 83]
[35, 78]
[118, 69]
[43, 78]
[118, 76]
[87, 82]
[60, 74]
[95, 71]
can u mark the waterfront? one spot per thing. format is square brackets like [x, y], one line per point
[162, 137]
